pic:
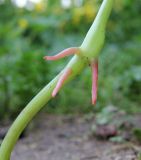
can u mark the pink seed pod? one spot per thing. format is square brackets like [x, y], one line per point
[64, 53]
[94, 66]
[61, 81]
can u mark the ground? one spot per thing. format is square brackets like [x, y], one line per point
[68, 138]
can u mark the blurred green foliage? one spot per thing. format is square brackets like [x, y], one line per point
[27, 35]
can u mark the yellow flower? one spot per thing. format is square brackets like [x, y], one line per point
[77, 14]
[90, 11]
[39, 7]
[23, 23]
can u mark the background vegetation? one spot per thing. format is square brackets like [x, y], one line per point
[44, 28]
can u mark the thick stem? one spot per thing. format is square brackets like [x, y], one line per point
[76, 64]
[95, 37]
[103, 15]
[101, 19]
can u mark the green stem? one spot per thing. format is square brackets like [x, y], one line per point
[88, 52]
[94, 39]
[102, 16]
[77, 64]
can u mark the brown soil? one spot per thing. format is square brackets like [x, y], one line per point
[68, 138]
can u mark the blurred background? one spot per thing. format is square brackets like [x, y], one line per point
[31, 29]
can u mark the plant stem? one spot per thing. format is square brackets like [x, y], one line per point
[95, 37]
[77, 64]
[89, 51]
